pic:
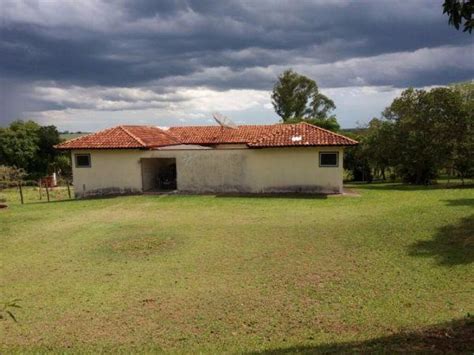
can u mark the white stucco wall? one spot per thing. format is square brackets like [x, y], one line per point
[294, 169]
[216, 170]
[111, 172]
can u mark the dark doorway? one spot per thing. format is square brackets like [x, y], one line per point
[159, 174]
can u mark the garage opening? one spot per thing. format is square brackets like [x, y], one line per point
[159, 174]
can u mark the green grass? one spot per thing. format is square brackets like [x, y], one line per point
[391, 270]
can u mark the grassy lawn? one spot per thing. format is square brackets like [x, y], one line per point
[391, 270]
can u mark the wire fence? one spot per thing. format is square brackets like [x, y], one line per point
[36, 190]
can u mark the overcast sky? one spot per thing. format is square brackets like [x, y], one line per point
[86, 65]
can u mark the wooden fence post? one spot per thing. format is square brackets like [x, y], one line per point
[21, 192]
[68, 189]
[39, 189]
[47, 191]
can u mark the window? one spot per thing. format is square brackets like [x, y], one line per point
[83, 160]
[329, 159]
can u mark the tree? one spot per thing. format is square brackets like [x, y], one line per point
[62, 165]
[463, 157]
[426, 131]
[463, 152]
[356, 161]
[48, 137]
[296, 97]
[466, 90]
[459, 12]
[330, 123]
[29, 146]
[379, 146]
[19, 144]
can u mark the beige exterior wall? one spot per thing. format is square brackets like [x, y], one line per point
[111, 172]
[214, 170]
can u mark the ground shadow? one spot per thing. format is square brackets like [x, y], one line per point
[292, 195]
[451, 337]
[408, 187]
[88, 198]
[452, 244]
[460, 202]
[174, 194]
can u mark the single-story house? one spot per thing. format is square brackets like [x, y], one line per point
[208, 159]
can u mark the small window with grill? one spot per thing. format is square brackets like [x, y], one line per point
[329, 159]
[83, 160]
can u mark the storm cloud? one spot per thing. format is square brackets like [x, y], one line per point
[148, 55]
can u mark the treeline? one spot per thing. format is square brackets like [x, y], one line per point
[420, 135]
[30, 147]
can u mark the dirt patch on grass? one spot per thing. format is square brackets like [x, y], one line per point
[350, 193]
[144, 245]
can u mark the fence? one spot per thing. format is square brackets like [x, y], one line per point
[45, 189]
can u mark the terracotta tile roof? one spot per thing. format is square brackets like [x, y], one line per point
[152, 136]
[301, 134]
[277, 135]
[122, 137]
[255, 136]
[220, 135]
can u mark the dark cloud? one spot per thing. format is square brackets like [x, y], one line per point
[228, 44]
[154, 40]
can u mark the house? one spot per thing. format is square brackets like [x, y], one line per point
[208, 159]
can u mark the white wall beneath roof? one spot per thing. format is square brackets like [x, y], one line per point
[111, 172]
[293, 169]
[265, 170]
[254, 170]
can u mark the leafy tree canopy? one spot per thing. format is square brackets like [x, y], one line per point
[420, 133]
[330, 123]
[460, 12]
[296, 97]
[428, 128]
[466, 90]
[29, 146]
[19, 143]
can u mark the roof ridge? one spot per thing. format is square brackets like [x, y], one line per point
[132, 135]
[140, 125]
[218, 126]
[328, 131]
[84, 136]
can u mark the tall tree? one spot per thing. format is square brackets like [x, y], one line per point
[48, 137]
[426, 128]
[379, 146]
[460, 12]
[296, 97]
[463, 152]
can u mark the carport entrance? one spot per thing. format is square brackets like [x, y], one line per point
[158, 174]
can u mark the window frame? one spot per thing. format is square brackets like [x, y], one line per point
[82, 166]
[329, 166]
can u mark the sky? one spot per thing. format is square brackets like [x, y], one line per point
[87, 65]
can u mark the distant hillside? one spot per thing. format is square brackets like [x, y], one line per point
[70, 135]
[360, 130]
